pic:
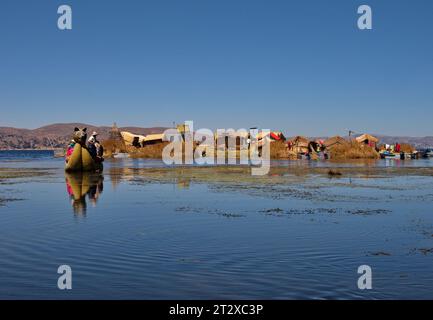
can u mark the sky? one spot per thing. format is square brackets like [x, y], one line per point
[302, 67]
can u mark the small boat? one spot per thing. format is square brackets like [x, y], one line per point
[425, 153]
[390, 155]
[413, 155]
[81, 160]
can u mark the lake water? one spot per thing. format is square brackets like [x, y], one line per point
[144, 231]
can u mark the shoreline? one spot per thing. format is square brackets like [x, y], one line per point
[55, 149]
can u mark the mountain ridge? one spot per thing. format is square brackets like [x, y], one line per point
[57, 135]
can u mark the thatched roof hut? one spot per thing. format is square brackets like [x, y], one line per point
[153, 139]
[138, 140]
[367, 139]
[335, 142]
[224, 139]
[132, 139]
[115, 133]
[299, 144]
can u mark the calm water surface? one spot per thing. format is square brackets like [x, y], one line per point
[130, 236]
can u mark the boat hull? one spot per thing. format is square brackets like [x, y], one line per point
[81, 160]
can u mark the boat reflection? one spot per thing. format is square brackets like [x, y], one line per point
[82, 185]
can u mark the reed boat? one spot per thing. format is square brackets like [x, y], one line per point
[81, 160]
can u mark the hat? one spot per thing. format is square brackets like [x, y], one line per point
[94, 133]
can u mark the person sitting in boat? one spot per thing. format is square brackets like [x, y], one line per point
[99, 148]
[91, 146]
[70, 149]
[95, 147]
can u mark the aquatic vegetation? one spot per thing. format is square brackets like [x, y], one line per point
[281, 174]
[368, 212]
[4, 201]
[289, 182]
[423, 251]
[209, 211]
[10, 176]
[329, 211]
[13, 173]
[275, 210]
[426, 251]
[333, 173]
[379, 253]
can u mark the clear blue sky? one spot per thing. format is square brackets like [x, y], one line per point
[298, 66]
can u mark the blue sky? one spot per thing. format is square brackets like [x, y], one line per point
[298, 66]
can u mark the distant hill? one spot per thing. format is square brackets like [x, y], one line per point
[417, 142]
[56, 135]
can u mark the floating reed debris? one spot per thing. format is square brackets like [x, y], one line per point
[334, 173]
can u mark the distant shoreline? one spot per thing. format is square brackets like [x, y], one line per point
[31, 149]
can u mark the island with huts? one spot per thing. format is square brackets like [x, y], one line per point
[352, 147]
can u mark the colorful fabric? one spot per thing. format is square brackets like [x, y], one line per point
[70, 150]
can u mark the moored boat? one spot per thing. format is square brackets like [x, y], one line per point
[389, 155]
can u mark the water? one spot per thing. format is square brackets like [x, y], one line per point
[17, 156]
[140, 233]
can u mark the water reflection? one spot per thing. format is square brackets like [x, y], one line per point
[142, 172]
[289, 230]
[143, 175]
[82, 185]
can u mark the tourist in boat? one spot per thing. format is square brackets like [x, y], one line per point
[95, 147]
[91, 145]
[70, 149]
